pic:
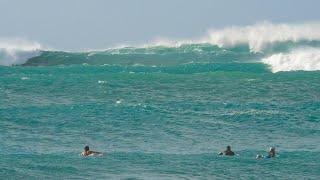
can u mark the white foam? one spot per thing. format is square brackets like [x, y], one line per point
[102, 82]
[17, 51]
[306, 59]
[24, 78]
[160, 41]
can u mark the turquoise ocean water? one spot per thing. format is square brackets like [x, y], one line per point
[161, 113]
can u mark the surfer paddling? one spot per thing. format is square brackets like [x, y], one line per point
[87, 152]
[227, 152]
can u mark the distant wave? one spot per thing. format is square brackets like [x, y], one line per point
[283, 47]
[150, 56]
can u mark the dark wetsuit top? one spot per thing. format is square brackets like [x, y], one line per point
[229, 153]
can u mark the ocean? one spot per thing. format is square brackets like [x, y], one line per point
[162, 112]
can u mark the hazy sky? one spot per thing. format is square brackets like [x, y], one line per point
[91, 24]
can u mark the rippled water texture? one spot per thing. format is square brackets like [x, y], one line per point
[163, 122]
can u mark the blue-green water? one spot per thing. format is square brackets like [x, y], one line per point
[158, 113]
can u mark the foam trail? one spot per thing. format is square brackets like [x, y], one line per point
[299, 59]
[17, 51]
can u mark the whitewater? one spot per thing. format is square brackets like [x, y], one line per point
[164, 110]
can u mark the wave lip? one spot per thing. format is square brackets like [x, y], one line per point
[306, 59]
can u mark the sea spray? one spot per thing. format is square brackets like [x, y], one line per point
[17, 51]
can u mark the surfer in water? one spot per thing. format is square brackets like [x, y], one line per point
[87, 152]
[227, 152]
[271, 154]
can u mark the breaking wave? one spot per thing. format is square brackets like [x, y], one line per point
[282, 47]
[299, 59]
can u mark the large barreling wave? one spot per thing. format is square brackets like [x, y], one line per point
[279, 47]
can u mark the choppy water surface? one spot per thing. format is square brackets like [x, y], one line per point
[159, 113]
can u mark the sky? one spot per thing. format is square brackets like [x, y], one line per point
[97, 24]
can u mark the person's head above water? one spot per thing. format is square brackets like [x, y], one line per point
[86, 148]
[272, 149]
[228, 152]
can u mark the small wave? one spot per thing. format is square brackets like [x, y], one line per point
[102, 82]
[24, 78]
[307, 59]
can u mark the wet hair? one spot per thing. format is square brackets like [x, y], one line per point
[86, 148]
[228, 147]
